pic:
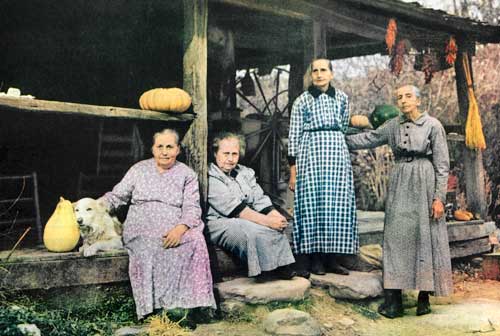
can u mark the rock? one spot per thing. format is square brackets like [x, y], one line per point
[346, 322]
[29, 329]
[232, 308]
[248, 291]
[130, 331]
[472, 317]
[356, 285]
[368, 259]
[291, 322]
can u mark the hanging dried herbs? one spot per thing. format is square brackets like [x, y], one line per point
[390, 35]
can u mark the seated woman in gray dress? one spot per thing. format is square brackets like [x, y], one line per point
[163, 233]
[241, 219]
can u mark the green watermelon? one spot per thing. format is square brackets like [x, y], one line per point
[382, 113]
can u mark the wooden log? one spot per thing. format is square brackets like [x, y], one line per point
[473, 162]
[46, 106]
[458, 231]
[195, 82]
[466, 248]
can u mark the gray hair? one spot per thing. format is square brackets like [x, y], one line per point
[308, 75]
[416, 90]
[166, 131]
[228, 135]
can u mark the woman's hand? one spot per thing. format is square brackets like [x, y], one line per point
[173, 237]
[276, 221]
[437, 209]
[293, 178]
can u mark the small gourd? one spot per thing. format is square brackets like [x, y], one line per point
[61, 233]
[172, 99]
[360, 121]
[463, 215]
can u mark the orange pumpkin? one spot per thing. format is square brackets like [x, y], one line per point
[172, 99]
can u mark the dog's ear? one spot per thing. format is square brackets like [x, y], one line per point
[74, 205]
[102, 206]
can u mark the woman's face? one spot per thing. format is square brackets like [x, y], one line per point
[407, 101]
[321, 74]
[165, 150]
[228, 154]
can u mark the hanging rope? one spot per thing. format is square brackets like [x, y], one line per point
[474, 137]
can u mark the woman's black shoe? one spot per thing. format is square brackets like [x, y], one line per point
[332, 266]
[423, 304]
[285, 272]
[393, 304]
[317, 266]
[302, 262]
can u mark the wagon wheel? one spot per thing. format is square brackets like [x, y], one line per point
[270, 135]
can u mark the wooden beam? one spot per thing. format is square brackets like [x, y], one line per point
[195, 82]
[46, 106]
[473, 159]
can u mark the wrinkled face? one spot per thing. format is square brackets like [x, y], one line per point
[321, 74]
[228, 154]
[86, 211]
[165, 151]
[407, 101]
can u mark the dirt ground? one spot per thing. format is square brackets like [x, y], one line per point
[341, 318]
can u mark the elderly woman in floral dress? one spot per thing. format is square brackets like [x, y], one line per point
[168, 259]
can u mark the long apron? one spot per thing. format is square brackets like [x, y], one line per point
[325, 203]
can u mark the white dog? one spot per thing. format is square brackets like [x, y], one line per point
[99, 230]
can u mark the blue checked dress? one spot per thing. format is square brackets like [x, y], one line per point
[325, 203]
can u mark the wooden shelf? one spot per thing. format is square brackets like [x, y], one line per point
[46, 106]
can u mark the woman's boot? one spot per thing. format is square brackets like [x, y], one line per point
[332, 266]
[317, 266]
[302, 262]
[393, 304]
[423, 304]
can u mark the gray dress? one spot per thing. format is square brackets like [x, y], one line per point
[263, 248]
[416, 250]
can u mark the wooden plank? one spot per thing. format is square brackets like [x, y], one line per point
[195, 82]
[470, 231]
[469, 247]
[46, 106]
[473, 163]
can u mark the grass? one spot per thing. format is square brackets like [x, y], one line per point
[73, 312]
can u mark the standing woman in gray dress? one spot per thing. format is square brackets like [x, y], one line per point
[241, 219]
[416, 251]
[321, 175]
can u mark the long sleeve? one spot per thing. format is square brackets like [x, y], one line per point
[260, 200]
[296, 127]
[191, 210]
[370, 139]
[122, 192]
[440, 160]
[222, 199]
[345, 115]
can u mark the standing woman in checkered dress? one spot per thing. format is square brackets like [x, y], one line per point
[321, 175]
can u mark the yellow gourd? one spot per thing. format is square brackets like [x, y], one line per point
[61, 233]
[173, 100]
[463, 215]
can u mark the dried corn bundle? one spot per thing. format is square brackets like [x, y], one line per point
[474, 137]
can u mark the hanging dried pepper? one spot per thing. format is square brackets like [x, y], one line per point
[428, 67]
[390, 35]
[397, 58]
[451, 51]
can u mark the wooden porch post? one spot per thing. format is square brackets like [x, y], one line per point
[473, 159]
[195, 82]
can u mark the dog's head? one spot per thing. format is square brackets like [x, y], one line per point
[88, 213]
